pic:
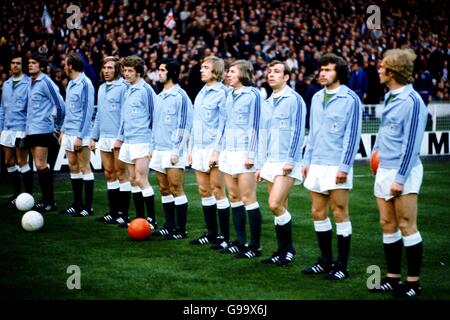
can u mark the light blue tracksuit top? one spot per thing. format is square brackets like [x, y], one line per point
[173, 120]
[109, 106]
[209, 117]
[335, 129]
[137, 114]
[43, 99]
[399, 138]
[13, 109]
[79, 107]
[241, 128]
[282, 129]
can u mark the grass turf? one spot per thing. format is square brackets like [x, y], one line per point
[34, 264]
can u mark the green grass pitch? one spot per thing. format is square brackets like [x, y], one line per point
[34, 264]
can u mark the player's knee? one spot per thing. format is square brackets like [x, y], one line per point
[218, 192]
[85, 170]
[164, 190]
[388, 225]
[22, 162]
[318, 214]
[134, 181]
[109, 175]
[275, 205]
[41, 166]
[10, 162]
[121, 174]
[248, 200]
[203, 192]
[341, 216]
[407, 226]
[234, 197]
[176, 190]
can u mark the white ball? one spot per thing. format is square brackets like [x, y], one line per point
[24, 201]
[32, 221]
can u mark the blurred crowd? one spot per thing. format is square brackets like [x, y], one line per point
[298, 31]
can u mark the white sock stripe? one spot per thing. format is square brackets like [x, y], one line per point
[389, 238]
[223, 203]
[180, 200]
[208, 201]
[25, 168]
[283, 219]
[89, 176]
[344, 228]
[12, 169]
[236, 204]
[167, 199]
[112, 185]
[252, 206]
[78, 175]
[135, 189]
[148, 192]
[412, 239]
[322, 225]
[125, 186]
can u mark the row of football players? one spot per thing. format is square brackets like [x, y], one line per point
[230, 138]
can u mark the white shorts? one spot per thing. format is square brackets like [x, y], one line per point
[8, 137]
[200, 158]
[68, 140]
[161, 161]
[106, 144]
[322, 178]
[385, 178]
[129, 152]
[233, 162]
[272, 169]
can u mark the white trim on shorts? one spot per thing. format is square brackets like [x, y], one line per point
[161, 161]
[106, 144]
[129, 152]
[68, 141]
[385, 178]
[322, 178]
[8, 137]
[233, 162]
[201, 158]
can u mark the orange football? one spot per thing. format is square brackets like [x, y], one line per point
[139, 229]
[374, 162]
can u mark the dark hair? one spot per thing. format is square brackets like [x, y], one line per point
[341, 68]
[173, 69]
[75, 61]
[41, 59]
[135, 62]
[17, 55]
[117, 67]
[287, 70]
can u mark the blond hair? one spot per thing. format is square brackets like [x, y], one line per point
[218, 67]
[246, 72]
[401, 63]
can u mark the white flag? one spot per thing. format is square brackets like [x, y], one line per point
[170, 20]
[47, 21]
